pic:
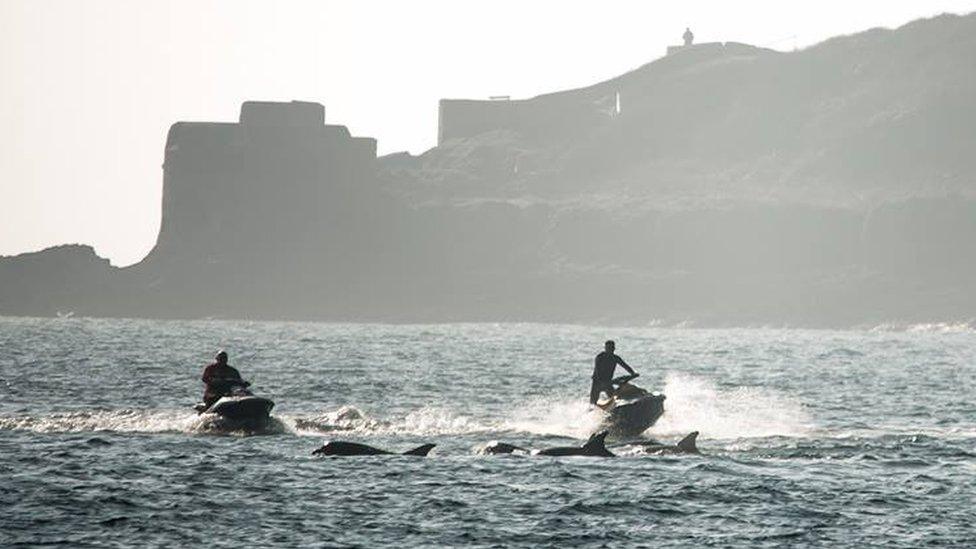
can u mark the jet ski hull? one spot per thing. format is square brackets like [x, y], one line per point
[629, 418]
[247, 411]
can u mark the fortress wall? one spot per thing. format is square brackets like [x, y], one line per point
[293, 114]
[200, 167]
[363, 148]
[250, 187]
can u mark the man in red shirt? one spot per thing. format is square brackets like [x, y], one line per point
[220, 377]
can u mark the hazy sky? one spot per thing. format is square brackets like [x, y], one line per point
[90, 88]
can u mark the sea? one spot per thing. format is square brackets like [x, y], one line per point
[809, 438]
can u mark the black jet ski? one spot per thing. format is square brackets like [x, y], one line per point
[632, 410]
[240, 408]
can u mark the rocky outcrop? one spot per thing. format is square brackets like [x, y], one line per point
[58, 280]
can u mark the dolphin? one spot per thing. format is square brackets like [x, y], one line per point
[686, 445]
[494, 447]
[341, 448]
[596, 446]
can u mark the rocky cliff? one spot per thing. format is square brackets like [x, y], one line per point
[722, 184]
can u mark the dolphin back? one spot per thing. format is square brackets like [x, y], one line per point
[420, 450]
[494, 447]
[342, 448]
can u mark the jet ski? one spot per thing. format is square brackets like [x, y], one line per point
[240, 408]
[632, 410]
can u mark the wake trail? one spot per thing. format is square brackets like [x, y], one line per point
[425, 421]
[693, 404]
[123, 421]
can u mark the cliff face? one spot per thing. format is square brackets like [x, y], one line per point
[723, 184]
[876, 115]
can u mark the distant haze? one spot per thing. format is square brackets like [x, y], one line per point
[90, 88]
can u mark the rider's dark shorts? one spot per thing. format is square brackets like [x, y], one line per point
[598, 387]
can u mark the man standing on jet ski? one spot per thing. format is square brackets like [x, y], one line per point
[220, 378]
[603, 367]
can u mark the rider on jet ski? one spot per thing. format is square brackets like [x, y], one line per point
[220, 378]
[603, 367]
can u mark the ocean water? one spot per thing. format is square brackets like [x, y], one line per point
[808, 438]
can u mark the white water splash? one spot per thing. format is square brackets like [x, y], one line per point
[697, 404]
[437, 421]
[427, 421]
[569, 418]
[424, 421]
[345, 418]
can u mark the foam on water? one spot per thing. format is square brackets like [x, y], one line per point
[561, 417]
[432, 420]
[345, 418]
[571, 418]
[427, 421]
[693, 404]
[697, 404]
[423, 421]
[125, 420]
[129, 421]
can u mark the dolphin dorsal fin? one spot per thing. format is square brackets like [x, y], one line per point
[420, 450]
[688, 443]
[597, 441]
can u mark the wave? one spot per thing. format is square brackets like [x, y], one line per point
[888, 448]
[968, 326]
[951, 433]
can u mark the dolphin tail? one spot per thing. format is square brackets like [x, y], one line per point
[597, 444]
[688, 444]
[420, 450]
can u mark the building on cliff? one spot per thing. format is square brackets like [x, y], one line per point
[266, 202]
[227, 185]
[577, 114]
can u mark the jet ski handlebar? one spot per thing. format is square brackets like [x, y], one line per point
[232, 387]
[231, 382]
